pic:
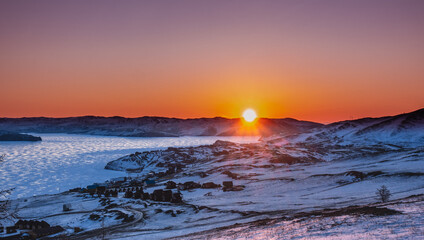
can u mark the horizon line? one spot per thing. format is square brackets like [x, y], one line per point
[195, 118]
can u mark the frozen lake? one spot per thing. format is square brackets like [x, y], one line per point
[64, 161]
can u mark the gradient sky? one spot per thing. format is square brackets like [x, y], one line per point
[314, 60]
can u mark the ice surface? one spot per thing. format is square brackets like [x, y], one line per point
[64, 161]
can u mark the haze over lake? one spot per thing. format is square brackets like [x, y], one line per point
[64, 161]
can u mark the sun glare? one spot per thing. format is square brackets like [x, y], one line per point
[249, 115]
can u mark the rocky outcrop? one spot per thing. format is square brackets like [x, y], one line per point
[12, 136]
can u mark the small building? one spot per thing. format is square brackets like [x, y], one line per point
[138, 194]
[176, 197]
[92, 187]
[101, 184]
[210, 185]
[116, 182]
[21, 224]
[37, 233]
[227, 184]
[66, 207]
[189, 185]
[40, 225]
[167, 196]
[135, 183]
[149, 183]
[146, 196]
[101, 189]
[10, 229]
[128, 194]
[171, 185]
[157, 195]
[31, 224]
[114, 193]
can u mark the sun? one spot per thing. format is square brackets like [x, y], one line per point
[249, 115]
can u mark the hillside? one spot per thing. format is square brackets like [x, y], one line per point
[278, 183]
[400, 130]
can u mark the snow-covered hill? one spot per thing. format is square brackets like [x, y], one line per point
[277, 181]
[404, 128]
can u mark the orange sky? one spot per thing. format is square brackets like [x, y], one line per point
[313, 60]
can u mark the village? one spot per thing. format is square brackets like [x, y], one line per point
[152, 188]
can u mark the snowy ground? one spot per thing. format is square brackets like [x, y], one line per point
[283, 180]
[408, 224]
[271, 185]
[292, 183]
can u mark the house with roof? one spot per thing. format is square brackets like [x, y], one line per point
[31, 224]
[149, 183]
[37, 233]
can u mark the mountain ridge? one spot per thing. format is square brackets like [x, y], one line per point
[152, 126]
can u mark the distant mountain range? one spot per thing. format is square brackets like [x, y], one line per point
[155, 126]
[407, 126]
